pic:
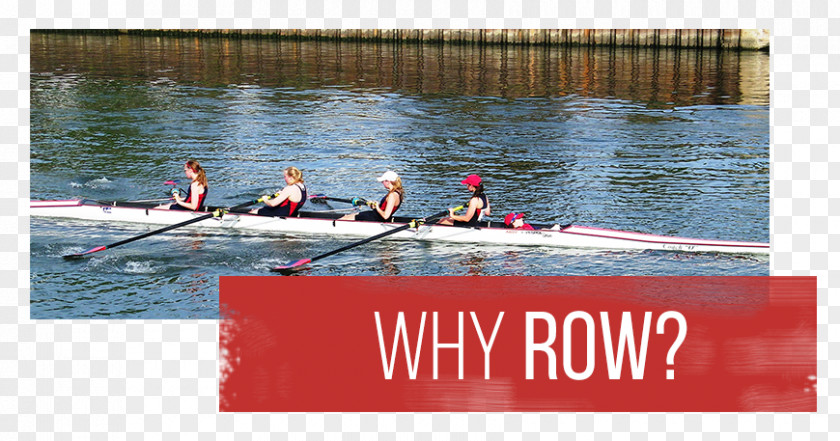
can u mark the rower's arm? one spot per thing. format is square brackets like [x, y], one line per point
[192, 203]
[470, 211]
[282, 196]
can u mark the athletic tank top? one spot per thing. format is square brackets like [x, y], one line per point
[286, 208]
[474, 218]
[294, 207]
[201, 198]
[384, 203]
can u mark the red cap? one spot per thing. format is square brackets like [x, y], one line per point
[512, 217]
[473, 180]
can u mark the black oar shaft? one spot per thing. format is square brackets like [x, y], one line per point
[162, 230]
[411, 224]
[217, 213]
[249, 203]
[379, 236]
[362, 242]
[354, 201]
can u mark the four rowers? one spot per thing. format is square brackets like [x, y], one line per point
[289, 200]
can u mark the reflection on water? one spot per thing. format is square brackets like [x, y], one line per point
[387, 260]
[657, 77]
[474, 263]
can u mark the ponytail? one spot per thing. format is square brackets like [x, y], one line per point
[396, 186]
[201, 177]
[479, 190]
[295, 174]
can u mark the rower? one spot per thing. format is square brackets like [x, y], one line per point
[477, 208]
[515, 221]
[288, 201]
[390, 203]
[196, 193]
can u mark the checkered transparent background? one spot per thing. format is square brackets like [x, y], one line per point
[158, 379]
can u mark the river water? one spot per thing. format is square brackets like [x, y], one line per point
[671, 142]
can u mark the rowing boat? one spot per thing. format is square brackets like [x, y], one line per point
[327, 223]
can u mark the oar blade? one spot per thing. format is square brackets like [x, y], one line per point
[144, 235]
[291, 266]
[85, 253]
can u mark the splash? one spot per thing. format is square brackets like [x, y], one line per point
[92, 183]
[139, 268]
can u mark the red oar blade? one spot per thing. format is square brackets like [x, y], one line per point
[85, 253]
[291, 266]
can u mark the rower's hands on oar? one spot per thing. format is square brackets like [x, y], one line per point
[217, 213]
[263, 199]
[176, 194]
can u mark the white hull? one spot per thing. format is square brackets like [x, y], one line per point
[572, 236]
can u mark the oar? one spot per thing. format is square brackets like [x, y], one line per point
[356, 202]
[415, 222]
[150, 200]
[217, 213]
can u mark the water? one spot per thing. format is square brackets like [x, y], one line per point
[657, 141]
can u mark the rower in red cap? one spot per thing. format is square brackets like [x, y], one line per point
[514, 220]
[478, 206]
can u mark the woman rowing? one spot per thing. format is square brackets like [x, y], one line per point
[289, 200]
[478, 206]
[389, 203]
[196, 193]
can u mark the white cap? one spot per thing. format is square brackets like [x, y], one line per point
[388, 176]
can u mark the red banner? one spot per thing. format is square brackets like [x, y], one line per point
[394, 344]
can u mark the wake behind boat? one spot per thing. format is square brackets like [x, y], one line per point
[327, 223]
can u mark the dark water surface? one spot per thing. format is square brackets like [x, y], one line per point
[659, 141]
